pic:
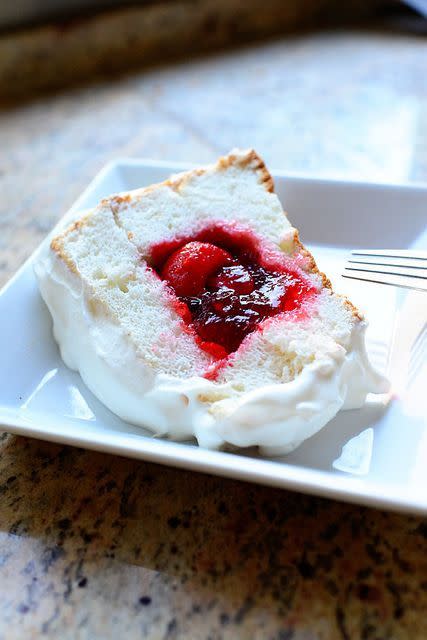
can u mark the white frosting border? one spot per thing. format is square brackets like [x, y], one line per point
[276, 417]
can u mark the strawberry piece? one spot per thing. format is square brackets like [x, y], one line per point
[188, 268]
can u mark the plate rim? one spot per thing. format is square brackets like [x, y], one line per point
[264, 471]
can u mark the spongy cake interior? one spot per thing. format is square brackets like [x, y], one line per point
[237, 189]
[106, 251]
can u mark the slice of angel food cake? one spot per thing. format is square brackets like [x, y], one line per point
[191, 308]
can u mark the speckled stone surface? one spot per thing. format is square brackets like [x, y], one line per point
[96, 546]
[52, 55]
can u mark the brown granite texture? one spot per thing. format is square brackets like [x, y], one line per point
[60, 53]
[94, 546]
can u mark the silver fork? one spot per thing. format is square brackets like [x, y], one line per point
[418, 5]
[400, 268]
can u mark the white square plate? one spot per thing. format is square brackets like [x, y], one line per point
[376, 455]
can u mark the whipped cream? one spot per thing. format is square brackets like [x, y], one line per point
[276, 417]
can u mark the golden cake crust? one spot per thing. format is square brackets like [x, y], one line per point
[244, 159]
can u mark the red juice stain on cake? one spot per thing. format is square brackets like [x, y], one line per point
[227, 284]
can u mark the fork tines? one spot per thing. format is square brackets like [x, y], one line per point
[400, 268]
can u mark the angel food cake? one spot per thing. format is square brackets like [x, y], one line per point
[191, 308]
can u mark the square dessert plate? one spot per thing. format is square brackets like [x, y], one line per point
[376, 455]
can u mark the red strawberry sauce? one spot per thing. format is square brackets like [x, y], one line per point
[227, 282]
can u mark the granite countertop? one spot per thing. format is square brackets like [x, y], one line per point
[97, 546]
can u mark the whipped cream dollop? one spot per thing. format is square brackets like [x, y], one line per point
[276, 417]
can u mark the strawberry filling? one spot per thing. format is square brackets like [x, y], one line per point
[227, 285]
